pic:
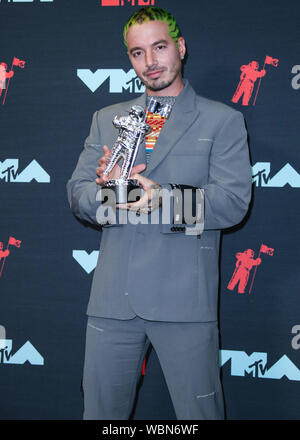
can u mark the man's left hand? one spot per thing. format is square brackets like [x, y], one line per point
[150, 200]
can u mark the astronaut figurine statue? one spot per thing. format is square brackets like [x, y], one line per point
[132, 130]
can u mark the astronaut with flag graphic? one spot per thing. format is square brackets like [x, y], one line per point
[249, 75]
[243, 266]
[245, 262]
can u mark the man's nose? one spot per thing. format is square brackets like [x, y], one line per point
[150, 58]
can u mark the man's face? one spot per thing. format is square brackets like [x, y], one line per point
[155, 57]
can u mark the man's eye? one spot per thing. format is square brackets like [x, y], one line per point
[136, 54]
[160, 46]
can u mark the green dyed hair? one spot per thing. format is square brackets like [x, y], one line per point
[146, 14]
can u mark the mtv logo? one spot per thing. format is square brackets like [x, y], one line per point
[88, 262]
[242, 363]
[9, 172]
[287, 175]
[27, 353]
[118, 80]
[255, 365]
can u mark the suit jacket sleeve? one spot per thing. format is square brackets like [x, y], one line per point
[227, 193]
[82, 187]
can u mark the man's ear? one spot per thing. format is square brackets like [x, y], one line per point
[181, 47]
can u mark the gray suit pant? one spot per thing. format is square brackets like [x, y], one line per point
[189, 357]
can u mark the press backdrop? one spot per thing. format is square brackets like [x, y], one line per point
[68, 61]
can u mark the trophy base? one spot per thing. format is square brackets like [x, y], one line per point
[123, 189]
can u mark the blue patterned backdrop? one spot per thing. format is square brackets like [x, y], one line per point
[68, 61]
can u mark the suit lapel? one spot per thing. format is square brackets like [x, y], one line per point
[182, 117]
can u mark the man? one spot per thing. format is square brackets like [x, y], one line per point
[158, 283]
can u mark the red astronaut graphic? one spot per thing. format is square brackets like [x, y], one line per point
[245, 262]
[4, 74]
[5, 253]
[243, 266]
[250, 73]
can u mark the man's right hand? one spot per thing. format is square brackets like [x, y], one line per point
[116, 171]
[103, 162]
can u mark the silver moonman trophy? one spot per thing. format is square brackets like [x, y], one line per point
[132, 130]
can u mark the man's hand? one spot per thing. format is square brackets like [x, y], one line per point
[116, 171]
[150, 200]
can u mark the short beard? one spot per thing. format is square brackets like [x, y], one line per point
[158, 87]
[164, 84]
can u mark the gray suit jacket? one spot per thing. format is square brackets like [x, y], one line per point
[157, 271]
